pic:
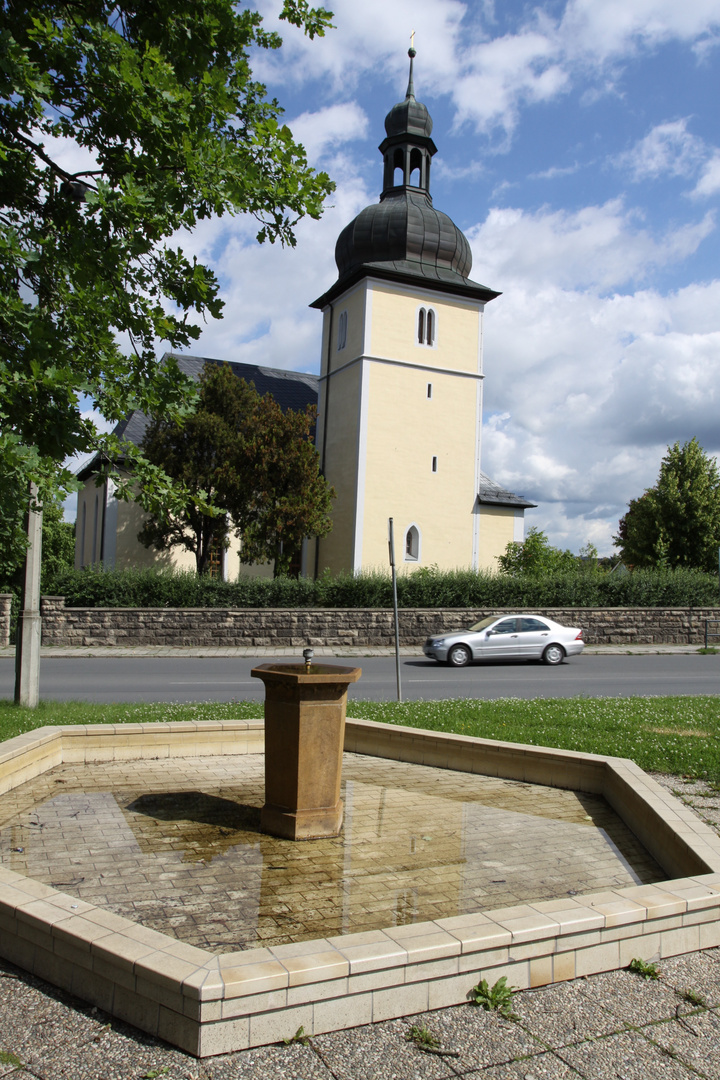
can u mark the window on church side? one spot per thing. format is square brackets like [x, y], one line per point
[412, 544]
[426, 327]
[342, 330]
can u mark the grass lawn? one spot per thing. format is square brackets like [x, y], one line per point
[679, 735]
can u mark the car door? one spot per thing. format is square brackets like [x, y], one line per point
[533, 635]
[501, 640]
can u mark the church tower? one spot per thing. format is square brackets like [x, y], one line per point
[400, 404]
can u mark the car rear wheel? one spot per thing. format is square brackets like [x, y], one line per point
[459, 656]
[554, 654]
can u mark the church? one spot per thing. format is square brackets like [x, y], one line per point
[399, 396]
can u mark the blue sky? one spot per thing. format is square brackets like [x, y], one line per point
[579, 150]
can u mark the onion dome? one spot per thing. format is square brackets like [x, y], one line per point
[409, 117]
[404, 237]
[404, 232]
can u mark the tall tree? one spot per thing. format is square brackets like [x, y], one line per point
[158, 97]
[534, 555]
[676, 522]
[254, 461]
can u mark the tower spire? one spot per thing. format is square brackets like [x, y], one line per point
[412, 54]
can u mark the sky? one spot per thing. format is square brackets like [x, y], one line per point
[579, 151]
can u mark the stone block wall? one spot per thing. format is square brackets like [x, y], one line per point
[5, 600]
[334, 627]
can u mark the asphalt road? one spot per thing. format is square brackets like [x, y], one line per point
[184, 678]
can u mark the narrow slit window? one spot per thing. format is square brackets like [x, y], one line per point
[429, 390]
[434, 464]
[342, 330]
[421, 326]
[430, 332]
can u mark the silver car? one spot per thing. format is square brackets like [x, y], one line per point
[507, 637]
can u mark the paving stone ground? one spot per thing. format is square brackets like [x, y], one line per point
[615, 1026]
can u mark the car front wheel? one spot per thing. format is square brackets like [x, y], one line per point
[459, 656]
[554, 654]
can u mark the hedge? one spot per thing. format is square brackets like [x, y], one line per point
[425, 588]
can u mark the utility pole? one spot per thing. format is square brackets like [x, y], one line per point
[27, 645]
[391, 548]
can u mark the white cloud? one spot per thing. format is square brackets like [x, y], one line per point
[709, 182]
[669, 149]
[586, 390]
[604, 29]
[490, 79]
[321, 131]
[66, 153]
[597, 246]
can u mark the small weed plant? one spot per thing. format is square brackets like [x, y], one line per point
[496, 998]
[422, 1037]
[644, 969]
[299, 1037]
[693, 998]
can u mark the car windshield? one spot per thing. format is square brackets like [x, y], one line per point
[484, 622]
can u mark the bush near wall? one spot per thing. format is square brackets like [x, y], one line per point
[425, 588]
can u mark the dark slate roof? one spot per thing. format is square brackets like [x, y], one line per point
[404, 238]
[291, 389]
[491, 494]
[405, 232]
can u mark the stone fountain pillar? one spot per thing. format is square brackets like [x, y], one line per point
[304, 734]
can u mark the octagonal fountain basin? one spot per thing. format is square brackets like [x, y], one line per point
[133, 873]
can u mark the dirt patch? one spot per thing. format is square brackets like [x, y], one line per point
[695, 733]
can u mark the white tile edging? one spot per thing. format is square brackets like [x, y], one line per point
[210, 1004]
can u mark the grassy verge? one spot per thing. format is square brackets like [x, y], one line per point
[679, 735]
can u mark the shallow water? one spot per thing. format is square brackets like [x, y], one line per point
[176, 845]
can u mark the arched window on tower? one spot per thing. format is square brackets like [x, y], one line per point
[412, 544]
[416, 168]
[430, 327]
[398, 168]
[426, 326]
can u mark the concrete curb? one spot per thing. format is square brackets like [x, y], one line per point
[66, 652]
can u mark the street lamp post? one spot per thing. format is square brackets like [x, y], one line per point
[29, 631]
[27, 646]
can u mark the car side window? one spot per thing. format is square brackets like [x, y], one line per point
[507, 626]
[532, 624]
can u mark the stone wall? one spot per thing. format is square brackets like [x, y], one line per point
[5, 600]
[333, 627]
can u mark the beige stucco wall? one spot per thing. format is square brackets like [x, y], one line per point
[394, 329]
[121, 548]
[338, 445]
[405, 430]
[382, 429]
[497, 530]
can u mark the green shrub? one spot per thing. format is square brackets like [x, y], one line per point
[427, 587]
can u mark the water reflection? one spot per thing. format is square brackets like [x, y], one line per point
[176, 846]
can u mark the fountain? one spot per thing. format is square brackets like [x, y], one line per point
[305, 708]
[436, 883]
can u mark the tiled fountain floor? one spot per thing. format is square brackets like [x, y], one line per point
[174, 845]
